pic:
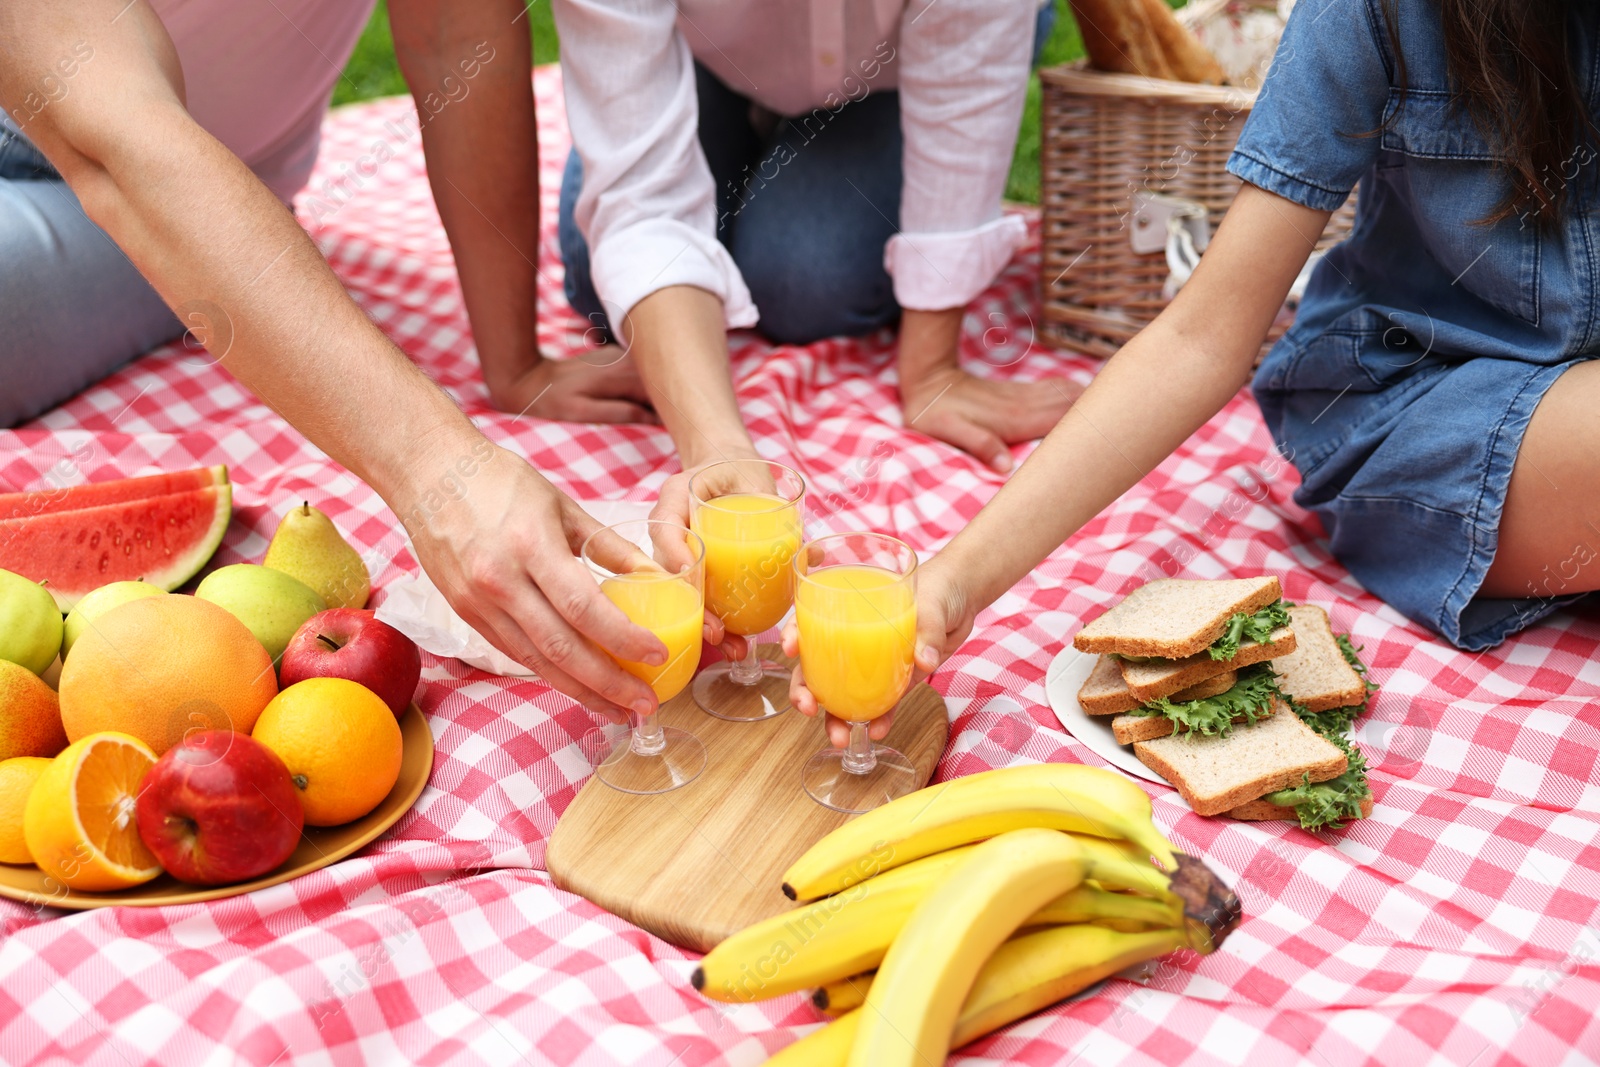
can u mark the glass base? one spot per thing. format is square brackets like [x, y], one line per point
[679, 762]
[829, 784]
[720, 696]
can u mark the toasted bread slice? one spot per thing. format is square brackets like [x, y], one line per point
[1130, 728]
[1315, 674]
[1216, 774]
[1104, 693]
[1175, 617]
[1152, 681]
[1260, 810]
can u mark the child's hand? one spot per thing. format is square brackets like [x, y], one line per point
[943, 622]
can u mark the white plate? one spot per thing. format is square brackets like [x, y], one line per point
[1066, 676]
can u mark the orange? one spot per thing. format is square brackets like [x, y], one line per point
[340, 742]
[164, 666]
[16, 782]
[80, 824]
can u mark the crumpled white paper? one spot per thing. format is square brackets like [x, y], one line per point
[414, 606]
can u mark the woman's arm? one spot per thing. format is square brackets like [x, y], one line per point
[495, 536]
[1161, 387]
[468, 66]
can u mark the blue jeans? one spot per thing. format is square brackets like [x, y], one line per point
[834, 202]
[72, 307]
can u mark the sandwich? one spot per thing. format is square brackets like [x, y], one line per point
[1302, 768]
[1181, 654]
[1218, 775]
[1241, 701]
[1173, 633]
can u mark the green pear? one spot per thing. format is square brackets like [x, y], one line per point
[30, 623]
[271, 604]
[100, 601]
[307, 546]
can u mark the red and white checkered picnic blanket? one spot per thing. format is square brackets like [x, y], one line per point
[1452, 927]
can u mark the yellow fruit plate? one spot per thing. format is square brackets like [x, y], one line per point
[319, 845]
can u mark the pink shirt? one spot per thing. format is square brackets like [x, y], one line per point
[648, 208]
[259, 74]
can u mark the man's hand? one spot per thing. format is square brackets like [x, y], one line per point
[944, 620]
[601, 386]
[985, 417]
[500, 542]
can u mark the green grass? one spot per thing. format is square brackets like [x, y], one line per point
[372, 72]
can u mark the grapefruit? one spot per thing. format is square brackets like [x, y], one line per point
[340, 742]
[163, 540]
[80, 823]
[162, 667]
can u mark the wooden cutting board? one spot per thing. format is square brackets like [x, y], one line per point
[701, 862]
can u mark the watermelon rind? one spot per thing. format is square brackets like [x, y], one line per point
[116, 491]
[60, 549]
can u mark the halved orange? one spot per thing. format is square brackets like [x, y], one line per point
[80, 823]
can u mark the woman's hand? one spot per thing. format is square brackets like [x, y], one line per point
[598, 386]
[501, 544]
[944, 619]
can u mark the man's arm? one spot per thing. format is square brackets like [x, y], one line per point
[648, 209]
[468, 66]
[205, 232]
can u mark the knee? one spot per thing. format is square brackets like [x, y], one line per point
[806, 297]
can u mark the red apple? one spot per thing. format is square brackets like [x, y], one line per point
[351, 643]
[218, 808]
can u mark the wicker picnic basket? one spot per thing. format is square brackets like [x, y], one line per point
[1104, 138]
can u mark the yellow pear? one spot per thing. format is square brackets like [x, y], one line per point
[30, 715]
[307, 546]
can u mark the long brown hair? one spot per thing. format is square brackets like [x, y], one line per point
[1510, 64]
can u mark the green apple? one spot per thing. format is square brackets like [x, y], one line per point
[30, 623]
[100, 601]
[271, 604]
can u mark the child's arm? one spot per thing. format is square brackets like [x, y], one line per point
[1160, 388]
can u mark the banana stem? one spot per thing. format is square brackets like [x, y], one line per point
[858, 758]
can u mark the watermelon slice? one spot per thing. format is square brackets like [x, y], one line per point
[163, 540]
[117, 491]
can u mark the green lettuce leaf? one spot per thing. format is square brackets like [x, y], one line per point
[1329, 805]
[1243, 627]
[1251, 697]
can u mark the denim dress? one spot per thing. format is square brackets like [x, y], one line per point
[1424, 341]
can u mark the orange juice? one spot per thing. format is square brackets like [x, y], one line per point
[858, 629]
[670, 608]
[751, 540]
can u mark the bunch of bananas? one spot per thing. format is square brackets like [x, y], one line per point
[965, 906]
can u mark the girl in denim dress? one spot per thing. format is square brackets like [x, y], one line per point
[1435, 391]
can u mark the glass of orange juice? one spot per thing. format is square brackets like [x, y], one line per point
[748, 514]
[856, 609]
[655, 572]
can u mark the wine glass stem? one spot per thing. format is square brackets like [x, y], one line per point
[858, 757]
[648, 736]
[746, 671]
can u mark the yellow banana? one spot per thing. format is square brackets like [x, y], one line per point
[847, 994]
[916, 998]
[1083, 904]
[1058, 796]
[1118, 911]
[820, 942]
[1027, 973]
[840, 936]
